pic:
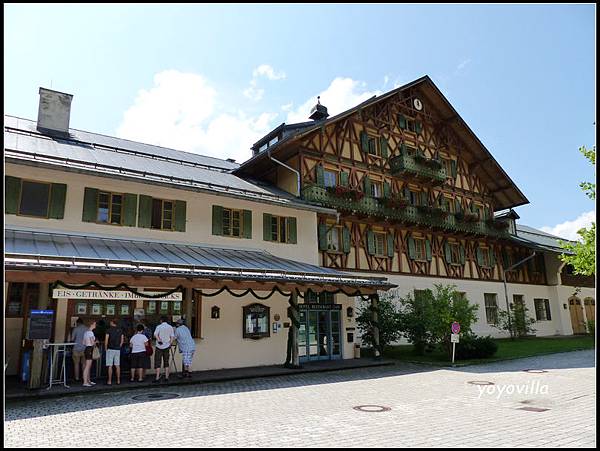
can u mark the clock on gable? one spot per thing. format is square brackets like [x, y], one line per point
[418, 104]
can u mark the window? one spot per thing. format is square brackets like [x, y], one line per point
[334, 235]
[263, 147]
[280, 229]
[420, 249]
[491, 308]
[110, 208]
[35, 199]
[454, 253]
[273, 141]
[485, 257]
[542, 309]
[162, 214]
[232, 222]
[256, 321]
[380, 239]
[373, 146]
[376, 189]
[22, 297]
[448, 165]
[451, 206]
[518, 300]
[330, 178]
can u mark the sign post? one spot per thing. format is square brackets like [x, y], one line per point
[454, 337]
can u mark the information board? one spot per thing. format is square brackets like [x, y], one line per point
[39, 326]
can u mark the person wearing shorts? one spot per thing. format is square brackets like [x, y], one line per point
[186, 345]
[138, 353]
[76, 337]
[164, 335]
[113, 341]
[89, 340]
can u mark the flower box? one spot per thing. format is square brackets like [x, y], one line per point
[345, 192]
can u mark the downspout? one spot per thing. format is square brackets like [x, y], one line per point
[287, 167]
[504, 271]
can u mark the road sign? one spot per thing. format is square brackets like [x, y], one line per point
[455, 327]
[454, 338]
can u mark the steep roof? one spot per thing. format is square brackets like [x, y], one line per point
[540, 238]
[120, 158]
[501, 186]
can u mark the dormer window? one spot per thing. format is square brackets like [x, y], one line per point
[273, 141]
[263, 147]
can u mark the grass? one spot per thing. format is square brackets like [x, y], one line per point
[507, 349]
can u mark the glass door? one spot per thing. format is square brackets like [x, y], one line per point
[320, 335]
[324, 335]
[336, 343]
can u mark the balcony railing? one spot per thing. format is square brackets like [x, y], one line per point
[429, 217]
[418, 167]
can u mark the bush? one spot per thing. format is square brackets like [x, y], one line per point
[591, 327]
[473, 347]
[388, 319]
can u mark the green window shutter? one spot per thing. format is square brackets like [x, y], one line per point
[387, 190]
[320, 175]
[90, 205]
[406, 193]
[370, 242]
[418, 127]
[547, 305]
[217, 219]
[390, 244]
[145, 212]
[58, 195]
[458, 206]
[447, 253]
[402, 149]
[479, 254]
[344, 178]
[292, 231]
[367, 186]
[492, 258]
[364, 142]
[12, 195]
[505, 261]
[180, 215]
[383, 144]
[411, 248]
[130, 209]
[267, 236]
[424, 199]
[402, 122]
[428, 250]
[322, 237]
[462, 255]
[247, 223]
[453, 168]
[346, 240]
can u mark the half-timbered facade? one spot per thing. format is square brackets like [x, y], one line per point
[418, 197]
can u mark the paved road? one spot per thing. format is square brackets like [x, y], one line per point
[429, 407]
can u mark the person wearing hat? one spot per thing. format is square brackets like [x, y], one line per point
[186, 345]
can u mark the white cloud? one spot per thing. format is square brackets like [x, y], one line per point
[180, 111]
[568, 229]
[287, 106]
[342, 94]
[265, 70]
[462, 65]
[254, 93]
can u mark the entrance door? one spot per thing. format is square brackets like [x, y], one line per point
[576, 311]
[319, 334]
[590, 309]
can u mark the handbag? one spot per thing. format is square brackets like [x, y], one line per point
[149, 349]
[95, 353]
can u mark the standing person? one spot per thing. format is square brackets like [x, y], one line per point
[146, 364]
[89, 340]
[186, 345]
[76, 336]
[164, 335]
[138, 353]
[113, 341]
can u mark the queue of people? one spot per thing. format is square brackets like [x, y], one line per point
[139, 348]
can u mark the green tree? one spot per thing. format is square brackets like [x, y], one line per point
[520, 324]
[388, 319]
[582, 254]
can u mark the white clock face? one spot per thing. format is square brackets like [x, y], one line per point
[418, 105]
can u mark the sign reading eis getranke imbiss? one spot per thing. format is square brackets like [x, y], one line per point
[65, 293]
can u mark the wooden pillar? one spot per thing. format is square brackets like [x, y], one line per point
[44, 295]
[37, 354]
[375, 318]
[294, 326]
[187, 306]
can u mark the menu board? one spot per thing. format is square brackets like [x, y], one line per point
[40, 325]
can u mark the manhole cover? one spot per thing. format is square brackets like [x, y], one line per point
[155, 396]
[533, 409]
[480, 383]
[372, 408]
[535, 371]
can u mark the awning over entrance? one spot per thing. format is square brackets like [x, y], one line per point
[55, 251]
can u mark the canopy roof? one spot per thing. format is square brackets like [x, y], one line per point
[55, 251]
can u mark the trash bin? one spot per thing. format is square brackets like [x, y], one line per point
[357, 351]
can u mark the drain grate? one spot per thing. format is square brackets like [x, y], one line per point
[480, 383]
[535, 371]
[155, 396]
[533, 409]
[372, 408]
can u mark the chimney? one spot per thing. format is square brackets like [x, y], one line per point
[318, 112]
[54, 112]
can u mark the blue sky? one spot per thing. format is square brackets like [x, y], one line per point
[212, 79]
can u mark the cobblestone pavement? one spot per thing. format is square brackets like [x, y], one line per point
[429, 407]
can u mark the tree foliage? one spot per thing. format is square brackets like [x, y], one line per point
[388, 319]
[520, 324]
[582, 254]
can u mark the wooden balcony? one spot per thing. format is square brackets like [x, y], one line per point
[419, 169]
